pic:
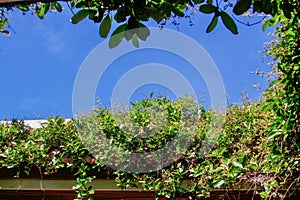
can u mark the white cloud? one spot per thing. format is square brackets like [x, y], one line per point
[36, 103]
[51, 38]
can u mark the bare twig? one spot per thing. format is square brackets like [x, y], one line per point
[70, 8]
[286, 192]
[41, 180]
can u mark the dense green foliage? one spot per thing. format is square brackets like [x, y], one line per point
[244, 154]
[259, 144]
[283, 99]
[131, 14]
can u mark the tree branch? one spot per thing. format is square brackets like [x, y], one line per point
[247, 23]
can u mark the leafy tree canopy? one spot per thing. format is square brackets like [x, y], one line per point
[131, 14]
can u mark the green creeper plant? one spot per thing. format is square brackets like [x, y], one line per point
[259, 145]
[245, 155]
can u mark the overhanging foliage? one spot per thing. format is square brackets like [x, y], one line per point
[131, 14]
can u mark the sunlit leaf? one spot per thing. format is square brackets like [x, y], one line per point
[218, 183]
[265, 24]
[178, 11]
[43, 10]
[23, 8]
[3, 23]
[236, 164]
[57, 6]
[274, 133]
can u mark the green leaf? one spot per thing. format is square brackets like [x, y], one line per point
[207, 8]
[274, 8]
[143, 32]
[2, 155]
[274, 134]
[229, 23]
[79, 16]
[128, 35]
[5, 32]
[265, 24]
[198, 1]
[120, 30]
[212, 24]
[218, 183]
[23, 8]
[92, 14]
[178, 12]
[236, 164]
[41, 12]
[105, 26]
[97, 18]
[117, 36]
[135, 40]
[57, 6]
[120, 16]
[3, 23]
[242, 6]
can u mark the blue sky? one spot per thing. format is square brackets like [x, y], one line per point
[40, 61]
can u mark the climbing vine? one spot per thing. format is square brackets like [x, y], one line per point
[258, 147]
[245, 154]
